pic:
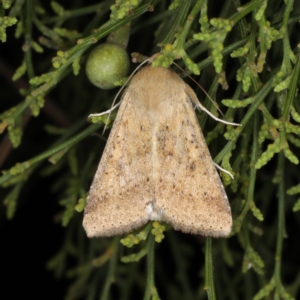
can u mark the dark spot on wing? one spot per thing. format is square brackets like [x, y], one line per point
[193, 166]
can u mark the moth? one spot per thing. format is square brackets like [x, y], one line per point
[156, 164]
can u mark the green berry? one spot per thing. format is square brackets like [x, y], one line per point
[107, 64]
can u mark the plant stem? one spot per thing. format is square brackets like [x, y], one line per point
[150, 288]
[209, 277]
[110, 278]
[67, 144]
[281, 226]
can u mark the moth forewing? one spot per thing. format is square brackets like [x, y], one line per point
[122, 186]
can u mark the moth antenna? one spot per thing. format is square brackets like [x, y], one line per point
[202, 107]
[199, 105]
[104, 113]
[223, 170]
[203, 90]
[117, 95]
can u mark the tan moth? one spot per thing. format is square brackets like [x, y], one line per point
[156, 164]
